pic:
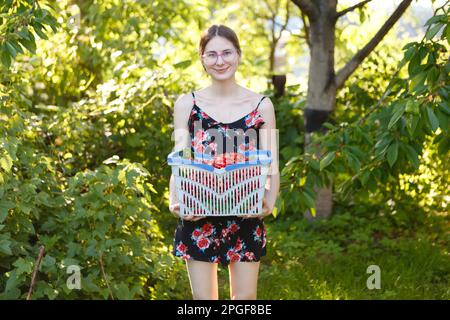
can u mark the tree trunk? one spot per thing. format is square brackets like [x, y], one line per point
[323, 81]
[321, 97]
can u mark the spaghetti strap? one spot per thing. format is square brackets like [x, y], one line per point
[259, 102]
[193, 96]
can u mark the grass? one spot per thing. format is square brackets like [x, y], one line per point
[328, 259]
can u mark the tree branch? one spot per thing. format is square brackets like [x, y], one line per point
[104, 275]
[358, 5]
[343, 74]
[36, 268]
[306, 28]
[307, 7]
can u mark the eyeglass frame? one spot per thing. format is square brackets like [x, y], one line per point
[219, 54]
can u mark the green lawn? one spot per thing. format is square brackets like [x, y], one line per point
[328, 259]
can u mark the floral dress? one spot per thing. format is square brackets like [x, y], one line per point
[229, 238]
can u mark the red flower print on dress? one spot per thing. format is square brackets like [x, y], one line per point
[181, 251]
[204, 115]
[200, 135]
[213, 147]
[253, 119]
[224, 234]
[203, 243]
[233, 256]
[196, 233]
[238, 245]
[257, 233]
[247, 147]
[233, 227]
[250, 256]
[207, 229]
[185, 257]
[181, 247]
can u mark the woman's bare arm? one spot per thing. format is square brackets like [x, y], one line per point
[269, 141]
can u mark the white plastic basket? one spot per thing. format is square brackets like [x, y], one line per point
[236, 189]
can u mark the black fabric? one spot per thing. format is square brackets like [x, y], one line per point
[221, 239]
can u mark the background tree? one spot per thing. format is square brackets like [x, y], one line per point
[324, 81]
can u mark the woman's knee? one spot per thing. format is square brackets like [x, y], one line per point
[243, 295]
[200, 295]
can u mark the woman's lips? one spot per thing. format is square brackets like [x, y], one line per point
[221, 70]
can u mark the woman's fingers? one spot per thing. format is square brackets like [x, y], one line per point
[191, 217]
[175, 209]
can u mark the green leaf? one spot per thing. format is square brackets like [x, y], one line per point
[4, 208]
[183, 64]
[443, 119]
[314, 164]
[392, 153]
[443, 106]
[29, 44]
[38, 29]
[434, 122]
[11, 283]
[327, 160]
[23, 266]
[5, 58]
[24, 33]
[353, 162]
[412, 155]
[364, 177]
[11, 49]
[5, 247]
[436, 18]
[398, 112]
[417, 81]
[309, 201]
[412, 106]
[414, 66]
[433, 30]
[411, 123]
[447, 33]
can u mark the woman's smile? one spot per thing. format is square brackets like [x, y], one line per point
[221, 70]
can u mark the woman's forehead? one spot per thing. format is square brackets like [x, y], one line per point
[218, 44]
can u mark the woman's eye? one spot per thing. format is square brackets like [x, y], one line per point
[211, 55]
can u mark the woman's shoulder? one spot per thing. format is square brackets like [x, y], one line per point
[183, 103]
[255, 98]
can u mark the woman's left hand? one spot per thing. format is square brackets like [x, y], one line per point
[266, 211]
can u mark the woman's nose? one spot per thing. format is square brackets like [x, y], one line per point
[219, 58]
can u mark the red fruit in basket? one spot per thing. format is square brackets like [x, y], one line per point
[208, 161]
[240, 157]
[219, 162]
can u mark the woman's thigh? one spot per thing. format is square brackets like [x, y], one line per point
[244, 280]
[203, 279]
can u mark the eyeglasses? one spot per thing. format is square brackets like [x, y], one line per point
[211, 57]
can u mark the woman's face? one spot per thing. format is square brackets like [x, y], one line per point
[220, 58]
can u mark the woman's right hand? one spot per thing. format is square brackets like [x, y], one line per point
[175, 210]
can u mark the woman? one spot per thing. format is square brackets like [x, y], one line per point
[234, 241]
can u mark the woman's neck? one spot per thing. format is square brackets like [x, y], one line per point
[225, 89]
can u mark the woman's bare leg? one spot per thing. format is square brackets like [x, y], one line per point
[243, 280]
[203, 280]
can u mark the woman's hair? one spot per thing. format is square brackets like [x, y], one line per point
[219, 30]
